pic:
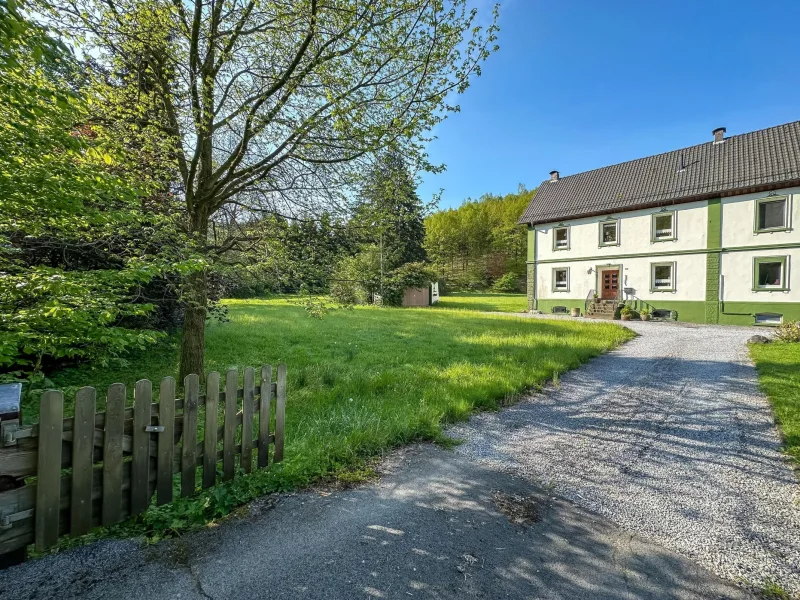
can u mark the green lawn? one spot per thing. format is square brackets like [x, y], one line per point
[485, 302]
[778, 367]
[362, 381]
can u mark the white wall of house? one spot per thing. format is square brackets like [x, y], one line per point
[635, 237]
[635, 231]
[690, 273]
[738, 220]
[737, 276]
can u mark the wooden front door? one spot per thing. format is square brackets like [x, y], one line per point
[609, 284]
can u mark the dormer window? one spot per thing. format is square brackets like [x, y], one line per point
[561, 238]
[663, 226]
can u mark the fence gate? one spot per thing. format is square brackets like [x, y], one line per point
[99, 468]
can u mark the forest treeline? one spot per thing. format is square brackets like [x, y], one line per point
[480, 244]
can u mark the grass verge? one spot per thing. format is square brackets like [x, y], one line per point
[360, 382]
[778, 367]
[486, 302]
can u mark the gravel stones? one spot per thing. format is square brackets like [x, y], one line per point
[669, 437]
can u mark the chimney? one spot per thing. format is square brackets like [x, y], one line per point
[719, 134]
[554, 176]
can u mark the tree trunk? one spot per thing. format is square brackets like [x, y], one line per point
[194, 322]
[194, 327]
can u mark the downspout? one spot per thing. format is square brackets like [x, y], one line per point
[722, 301]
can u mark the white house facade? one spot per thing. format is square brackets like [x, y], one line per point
[705, 234]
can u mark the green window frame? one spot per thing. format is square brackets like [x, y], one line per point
[673, 230]
[654, 287]
[556, 229]
[566, 277]
[783, 285]
[787, 211]
[601, 227]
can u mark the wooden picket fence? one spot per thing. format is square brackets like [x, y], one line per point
[117, 459]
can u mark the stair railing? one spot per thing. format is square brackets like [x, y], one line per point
[589, 299]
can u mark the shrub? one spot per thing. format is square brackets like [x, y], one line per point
[507, 283]
[788, 332]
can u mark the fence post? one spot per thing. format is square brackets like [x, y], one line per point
[188, 453]
[210, 436]
[112, 454]
[48, 473]
[166, 441]
[248, 398]
[140, 467]
[82, 457]
[280, 413]
[229, 434]
[264, 416]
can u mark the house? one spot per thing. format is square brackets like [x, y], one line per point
[705, 234]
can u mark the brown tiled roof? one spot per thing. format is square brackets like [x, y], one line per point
[756, 160]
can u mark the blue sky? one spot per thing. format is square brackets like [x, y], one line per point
[578, 85]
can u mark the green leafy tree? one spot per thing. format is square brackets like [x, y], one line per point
[480, 242]
[65, 191]
[281, 105]
[390, 212]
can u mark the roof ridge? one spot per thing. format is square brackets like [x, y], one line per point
[633, 160]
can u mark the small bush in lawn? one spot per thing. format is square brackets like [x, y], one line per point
[507, 283]
[788, 332]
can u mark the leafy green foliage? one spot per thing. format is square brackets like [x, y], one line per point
[509, 282]
[73, 255]
[474, 245]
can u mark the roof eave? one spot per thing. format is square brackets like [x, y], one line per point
[682, 200]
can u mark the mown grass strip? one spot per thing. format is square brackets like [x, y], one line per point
[778, 366]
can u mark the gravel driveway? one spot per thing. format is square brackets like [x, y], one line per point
[670, 438]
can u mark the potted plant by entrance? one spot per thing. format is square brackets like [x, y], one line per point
[645, 314]
[626, 314]
[575, 312]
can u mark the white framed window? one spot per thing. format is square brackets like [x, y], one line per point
[561, 279]
[609, 233]
[772, 214]
[561, 238]
[662, 277]
[770, 274]
[664, 226]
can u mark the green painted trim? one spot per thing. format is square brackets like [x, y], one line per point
[661, 213]
[531, 244]
[787, 211]
[569, 236]
[674, 276]
[713, 260]
[784, 260]
[732, 311]
[546, 306]
[786, 246]
[600, 232]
